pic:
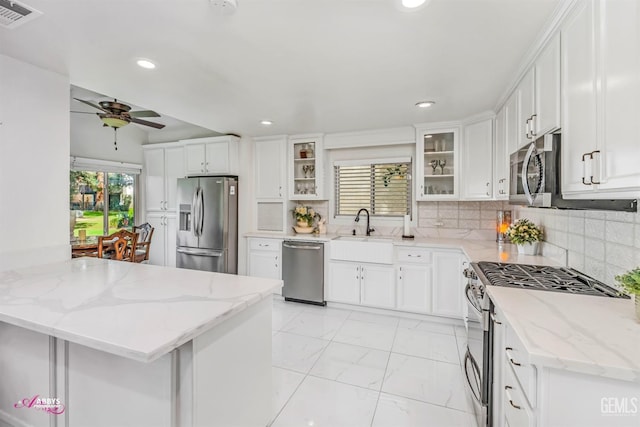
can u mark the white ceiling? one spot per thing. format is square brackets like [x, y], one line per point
[308, 65]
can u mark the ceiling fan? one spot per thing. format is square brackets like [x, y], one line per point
[115, 114]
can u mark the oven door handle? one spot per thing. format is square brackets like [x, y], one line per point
[468, 359]
[471, 298]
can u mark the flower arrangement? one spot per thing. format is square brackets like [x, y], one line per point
[524, 231]
[630, 281]
[305, 214]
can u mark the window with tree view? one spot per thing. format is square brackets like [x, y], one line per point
[382, 188]
[101, 202]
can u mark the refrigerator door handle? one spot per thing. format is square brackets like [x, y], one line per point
[201, 252]
[201, 206]
[194, 214]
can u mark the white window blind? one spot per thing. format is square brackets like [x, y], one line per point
[383, 188]
[94, 165]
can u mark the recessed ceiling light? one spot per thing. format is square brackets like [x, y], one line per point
[412, 4]
[145, 63]
[424, 104]
[266, 122]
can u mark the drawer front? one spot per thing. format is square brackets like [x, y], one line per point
[516, 408]
[518, 359]
[414, 255]
[265, 244]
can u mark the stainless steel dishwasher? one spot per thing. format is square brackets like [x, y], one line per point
[303, 271]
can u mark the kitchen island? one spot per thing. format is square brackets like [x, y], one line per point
[115, 343]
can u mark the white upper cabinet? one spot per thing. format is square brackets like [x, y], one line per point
[547, 89]
[600, 81]
[501, 157]
[477, 161]
[162, 168]
[619, 146]
[270, 171]
[437, 157]
[526, 107]
[512, 123]
[539, 95]
[305, 158]
[210, 156]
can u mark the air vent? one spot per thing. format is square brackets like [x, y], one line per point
[13, 14]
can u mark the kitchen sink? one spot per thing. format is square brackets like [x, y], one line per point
[362, 249]
[364, 239]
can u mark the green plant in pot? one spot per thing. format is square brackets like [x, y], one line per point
[630, 282]
[526, 235]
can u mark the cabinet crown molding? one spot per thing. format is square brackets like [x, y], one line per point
[223, 138]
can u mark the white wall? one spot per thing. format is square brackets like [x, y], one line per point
[91, 140]
[34, 165]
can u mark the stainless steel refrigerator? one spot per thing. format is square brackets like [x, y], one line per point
[208, 224]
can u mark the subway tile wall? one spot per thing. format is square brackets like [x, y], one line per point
[460, 215]
[600, 244]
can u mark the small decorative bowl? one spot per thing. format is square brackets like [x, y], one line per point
[303, 230]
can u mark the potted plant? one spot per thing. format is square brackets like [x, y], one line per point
[305, 215]
[526, 235]
[630, 282]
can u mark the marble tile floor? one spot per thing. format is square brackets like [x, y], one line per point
[341, 368]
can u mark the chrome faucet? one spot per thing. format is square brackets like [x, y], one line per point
[369, 230]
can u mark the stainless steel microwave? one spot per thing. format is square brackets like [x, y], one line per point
[533, 178]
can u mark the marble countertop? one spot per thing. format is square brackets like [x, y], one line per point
[132, 310]
[587, 334]
[475, 250]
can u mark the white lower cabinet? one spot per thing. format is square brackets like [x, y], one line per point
[360, 283]
[414, 288]
[344, 282]
[163, 242]
[448, 284]
[421, 280]
[516, 409]
[265, 258]
[377, 286]
[530, 395]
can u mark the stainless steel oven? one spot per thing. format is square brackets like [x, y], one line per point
[477, 360]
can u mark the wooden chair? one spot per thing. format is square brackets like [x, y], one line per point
[118, 246]
[145, 232]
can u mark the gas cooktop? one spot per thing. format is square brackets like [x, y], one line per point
[558, 279]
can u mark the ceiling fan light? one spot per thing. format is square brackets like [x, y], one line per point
[114, 122]
[145, 63]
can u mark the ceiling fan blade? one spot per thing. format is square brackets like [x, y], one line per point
[144, 113]
[146, 123]
[92, 105]
[83, 112]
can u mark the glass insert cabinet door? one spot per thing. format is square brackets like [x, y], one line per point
[437, 164]
[305, 166]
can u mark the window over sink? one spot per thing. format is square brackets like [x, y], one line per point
[383, 187]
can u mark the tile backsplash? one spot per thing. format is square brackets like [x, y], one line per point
[460, 215]
[600, 244]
